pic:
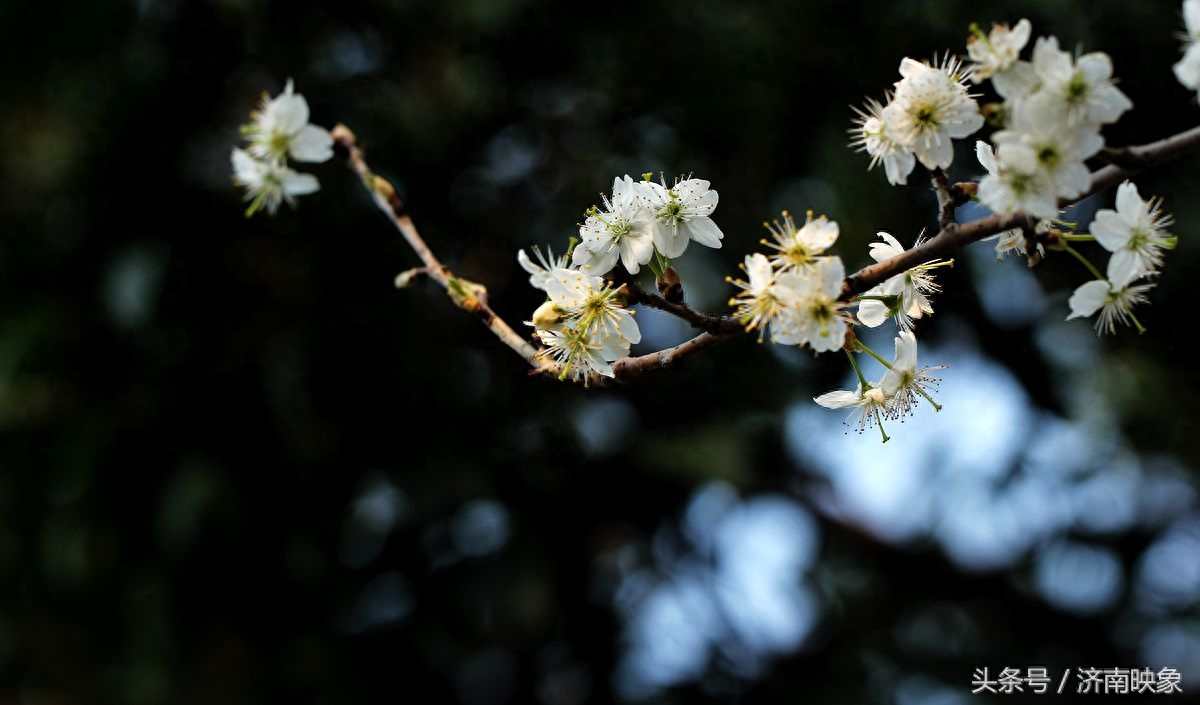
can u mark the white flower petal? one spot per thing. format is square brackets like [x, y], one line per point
[830, 274]
[636, 250]
[1088, 299]
[246, 169]
[670, 239]
[1110, 230]
[872, 313]
[1125, 266]
[311, 144]
[986, 156]
[1128, 200]
[297, 184]
[838, 399]
[290, 112]
[705, 232]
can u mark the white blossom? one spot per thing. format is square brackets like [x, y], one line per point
[875, 134]
[1135, 233]
[583, 324]
[1016, 185]
[905, 295]
[800, 247]
[869, 407]
[281, 130]
[767, 300]
[539, 272]
[998, 51]
[1083, 90]
[1113, 298]
[1014, 240]
[576, 354]
[1056, 147]
[268, 184]
[592, 306]
[681, 215]
[1017, 83]
[624, 231]
[903, 383]
[817, 319]
[932, 108]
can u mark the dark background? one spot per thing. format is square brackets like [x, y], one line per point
[238, 466]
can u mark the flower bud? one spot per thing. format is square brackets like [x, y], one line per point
[670, 286]
[546, 316]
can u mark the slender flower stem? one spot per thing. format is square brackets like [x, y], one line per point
[1079, 237]
[862, 381]
[655, 267]
[1091, 267]
[863, 346]
[1140, 328]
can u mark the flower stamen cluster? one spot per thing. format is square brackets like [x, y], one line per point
[795, 293]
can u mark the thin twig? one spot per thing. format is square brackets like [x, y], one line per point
[465, 294]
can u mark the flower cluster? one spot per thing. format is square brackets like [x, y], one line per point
[1054, 107]
[279, 131]
[583, 323]
[795, 293]
[928, 108]
[1187, 70]
[793, 297]
[1136, 235]
[644, 219]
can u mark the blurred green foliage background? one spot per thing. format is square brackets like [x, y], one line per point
[238, 466]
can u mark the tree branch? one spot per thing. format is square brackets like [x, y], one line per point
[467, 295]
[952, 235]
